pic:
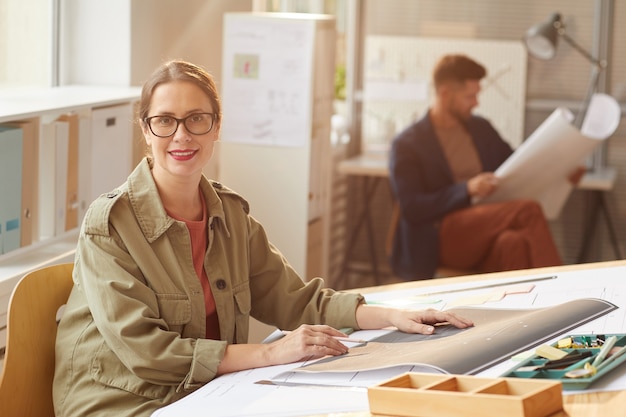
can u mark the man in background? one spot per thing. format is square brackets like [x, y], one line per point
[438, 165]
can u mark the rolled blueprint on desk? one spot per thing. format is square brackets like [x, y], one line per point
[539, 168]
[498, 334]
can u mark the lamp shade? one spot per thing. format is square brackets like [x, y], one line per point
[541, 39]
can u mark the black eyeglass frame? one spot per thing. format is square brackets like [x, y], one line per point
[146, 120]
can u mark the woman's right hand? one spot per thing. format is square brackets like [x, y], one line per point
[306, 342]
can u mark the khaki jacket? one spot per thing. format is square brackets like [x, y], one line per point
[132, 335]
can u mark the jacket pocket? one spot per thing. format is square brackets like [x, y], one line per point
[175, 309]
[242, 313]
[107, 369]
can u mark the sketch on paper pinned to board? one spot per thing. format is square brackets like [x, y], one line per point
[267, 68]
[397, 83]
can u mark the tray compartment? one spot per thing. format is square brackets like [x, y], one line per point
[428, 395]
[559, 374]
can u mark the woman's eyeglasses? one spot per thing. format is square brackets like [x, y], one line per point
[166, 126]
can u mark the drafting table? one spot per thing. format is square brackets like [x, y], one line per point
[573, 281]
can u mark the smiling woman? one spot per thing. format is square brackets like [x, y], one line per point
[180, 129]
[170, 266]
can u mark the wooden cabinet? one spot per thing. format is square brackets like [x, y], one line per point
[76, 143]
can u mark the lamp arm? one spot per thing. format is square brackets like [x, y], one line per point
[591, 88]
[582, 51]
[598, 66]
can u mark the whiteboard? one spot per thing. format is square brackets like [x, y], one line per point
[398, 89]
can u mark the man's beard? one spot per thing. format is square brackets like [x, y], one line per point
[462, 117]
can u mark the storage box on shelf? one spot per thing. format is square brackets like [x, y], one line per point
[76, 143]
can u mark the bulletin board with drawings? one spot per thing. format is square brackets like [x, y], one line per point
[398, 89]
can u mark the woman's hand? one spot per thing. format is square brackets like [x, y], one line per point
[423, 321]
[409, 321]
[316, 341]
[307, 342]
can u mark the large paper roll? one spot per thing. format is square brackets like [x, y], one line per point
[539, 168]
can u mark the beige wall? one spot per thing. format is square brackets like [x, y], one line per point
[193, 33]
[135, 36]
[138, 35]
[25, 26]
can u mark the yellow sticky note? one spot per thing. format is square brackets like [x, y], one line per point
[564, 343]
[550, 352]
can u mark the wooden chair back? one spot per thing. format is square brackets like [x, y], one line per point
[393, 227]
[28, 369]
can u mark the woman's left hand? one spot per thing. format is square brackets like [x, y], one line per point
[409, 321]
[423, 321]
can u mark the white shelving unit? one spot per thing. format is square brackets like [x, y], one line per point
[104, 138]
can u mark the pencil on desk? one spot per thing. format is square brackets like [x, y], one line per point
[349, 339]
[611, 358]
[340, 338]
[608, 345]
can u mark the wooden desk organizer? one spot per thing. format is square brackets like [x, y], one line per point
[436, 395]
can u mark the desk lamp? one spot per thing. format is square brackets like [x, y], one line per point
[541, 41]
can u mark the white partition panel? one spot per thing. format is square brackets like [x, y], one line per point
[277, 102]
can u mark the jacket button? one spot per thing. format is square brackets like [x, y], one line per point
[217, 185]
[221, 284]
[112, 194]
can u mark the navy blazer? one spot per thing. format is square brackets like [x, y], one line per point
[423, 184]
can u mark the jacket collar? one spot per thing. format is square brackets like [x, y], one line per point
[148, 208]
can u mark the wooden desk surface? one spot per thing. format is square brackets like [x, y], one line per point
[371, 165]
[593, 404]
[596, 404]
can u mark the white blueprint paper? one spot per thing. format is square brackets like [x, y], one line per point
[239, 395]
[539, 168]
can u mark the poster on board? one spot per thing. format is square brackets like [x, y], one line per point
[267, 68]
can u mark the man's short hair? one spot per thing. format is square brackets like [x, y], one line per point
[457, 68]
